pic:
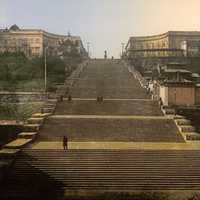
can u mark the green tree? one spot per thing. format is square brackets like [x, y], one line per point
[70, 53]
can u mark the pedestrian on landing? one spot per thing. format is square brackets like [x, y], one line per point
[69, 98]
[175, 110]
[160, 103]
[65, 143]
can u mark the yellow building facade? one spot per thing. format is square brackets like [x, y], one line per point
[170, 44]
[32, 42]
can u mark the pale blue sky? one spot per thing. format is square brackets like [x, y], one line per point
[104, 23]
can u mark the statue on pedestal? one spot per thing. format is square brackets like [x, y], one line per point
[105, 54]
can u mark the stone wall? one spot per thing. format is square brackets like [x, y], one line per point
[197, 96]
[164, 95]
[8, 133]
[182, 96]
[17, 97]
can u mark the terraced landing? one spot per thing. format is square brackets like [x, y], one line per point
[110, 129]
[51, 174]
[109, 107]
[55, 145]
[109, 93]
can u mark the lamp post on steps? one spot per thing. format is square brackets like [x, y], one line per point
[45, 69]
[123, 44]
[88, 49]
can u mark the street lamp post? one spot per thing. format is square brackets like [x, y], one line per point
[45, 69]
[88, 49]
[122, 49]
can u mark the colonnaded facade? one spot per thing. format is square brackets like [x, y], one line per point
[170, 44]
[32, 42]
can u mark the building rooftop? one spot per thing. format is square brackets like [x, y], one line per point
[14, 28]
[175, 64]
[166, 34]
[180, 83]
[195, 75]
[177, 70]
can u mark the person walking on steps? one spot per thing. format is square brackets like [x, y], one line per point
[61, 98]
[65, 143]
[69, 98]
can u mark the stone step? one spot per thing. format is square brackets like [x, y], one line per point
[49, 105]
[28, 135]
[187, 128]
[169, 111]
[47, 110]
[100, 153]
[18, 143]
[41, 115]
[53, 167]
[31, 127]
[52, 101]
[137, 162]
[114, 164]
[125, 181]
[35, 120]
[104, 164]
[193, 136]
[81, 172]
[177, 117]
[183, 122]
[7, 153]
[105, 170]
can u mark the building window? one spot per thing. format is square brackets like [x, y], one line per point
[37, 40]
[31, 40]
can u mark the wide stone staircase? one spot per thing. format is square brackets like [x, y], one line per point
[85, 119]
[108, 79]
[126, 115]
[57, 173]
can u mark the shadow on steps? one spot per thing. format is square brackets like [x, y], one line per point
[26, 182]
